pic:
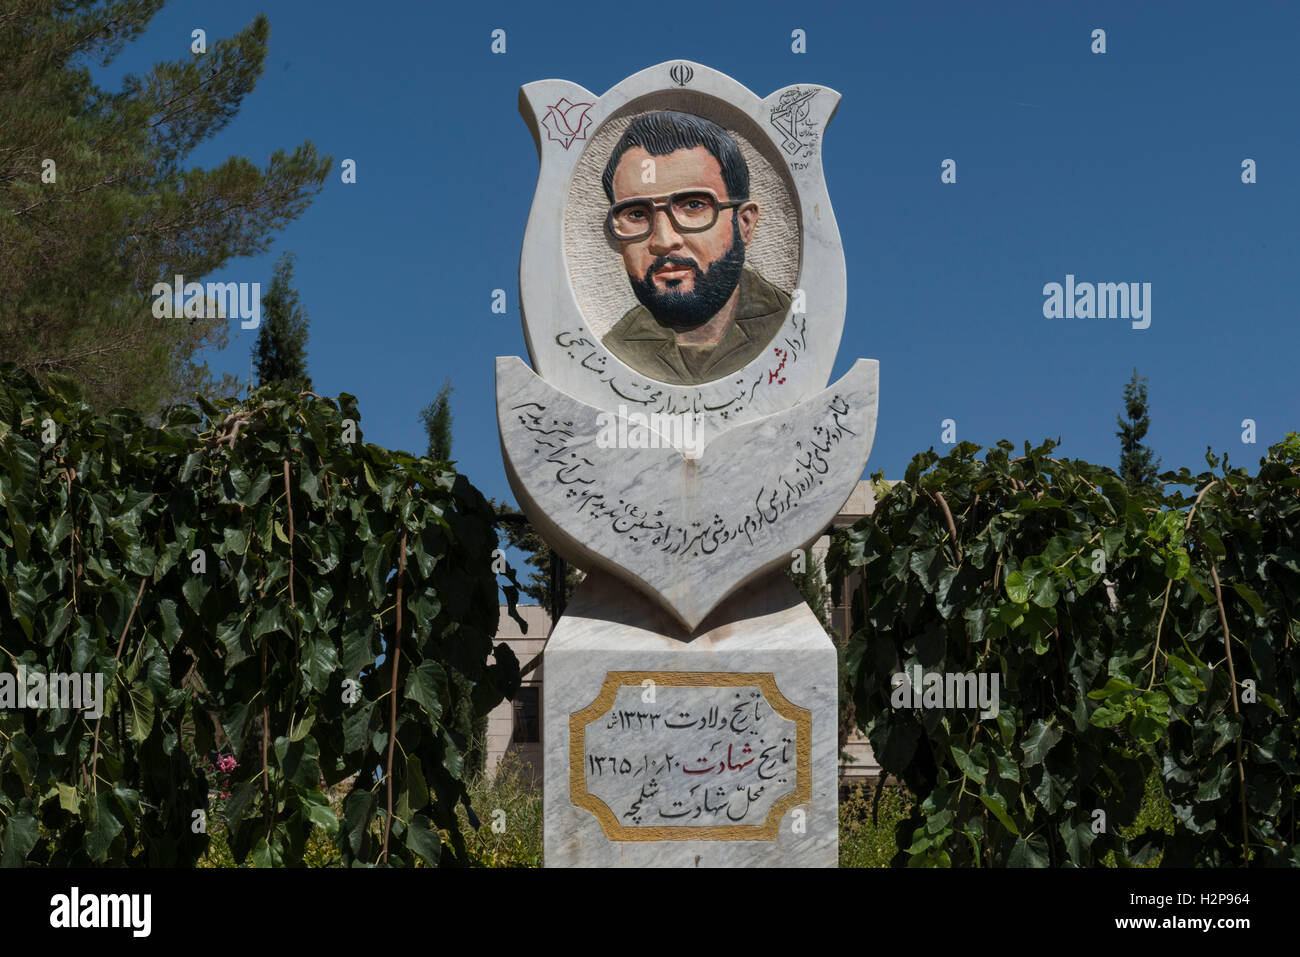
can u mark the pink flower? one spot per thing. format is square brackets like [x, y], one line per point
[227, 763]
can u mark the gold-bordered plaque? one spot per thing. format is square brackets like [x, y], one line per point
[717, 756]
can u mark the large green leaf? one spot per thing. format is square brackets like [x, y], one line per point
[18, 837]
[423, 840]
[236, 541]
[298, 761]
[1042, 737]
[357, 725]
[102, 826]
[317, 807]
[968, 767]
[418, 791]
[194, 588]
[267, 854]
[1029, 852]
[141, 704]
[1251, 598]
[426, 685]
[998, 805]
[358, 810]
[1017, 588]
[241, 798]
[171, 625]
[319, 661]
[357, 650]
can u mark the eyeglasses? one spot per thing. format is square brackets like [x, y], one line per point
[690, 211]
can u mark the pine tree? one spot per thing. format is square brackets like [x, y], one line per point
[519, 534]
[436, 417]
[1136, 467]
[281, 350]
[97, 207]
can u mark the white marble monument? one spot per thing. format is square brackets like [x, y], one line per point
[682, 286]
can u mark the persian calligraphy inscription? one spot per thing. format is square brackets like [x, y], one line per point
[690, 756]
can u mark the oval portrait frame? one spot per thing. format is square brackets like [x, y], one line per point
[594, 258]
[564, 349]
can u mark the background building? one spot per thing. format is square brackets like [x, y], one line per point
[516, 726]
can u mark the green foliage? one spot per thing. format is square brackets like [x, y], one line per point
[179, 560]
[540, 585]
[86, 240]
[868, 822]
[870, 819]
[516, 839]
[811, 582]
[436, 417]
[1102, 610]
[322, 849]
[1156, 814]
[281, 349]
[1136, 466]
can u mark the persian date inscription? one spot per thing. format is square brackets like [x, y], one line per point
[690, 756]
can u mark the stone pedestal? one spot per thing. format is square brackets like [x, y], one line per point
[667, 750]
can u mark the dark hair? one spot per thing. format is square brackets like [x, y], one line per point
[665, 131]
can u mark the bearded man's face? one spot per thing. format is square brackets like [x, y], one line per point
[683, 278]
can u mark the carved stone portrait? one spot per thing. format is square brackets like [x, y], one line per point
[681, 264]
[681, 216]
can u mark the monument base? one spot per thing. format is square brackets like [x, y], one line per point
[667, 750]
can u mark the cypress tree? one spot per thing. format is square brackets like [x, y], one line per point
[1136, 465]
[281, 350]
[436, 417]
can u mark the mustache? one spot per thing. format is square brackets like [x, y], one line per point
[673, 260]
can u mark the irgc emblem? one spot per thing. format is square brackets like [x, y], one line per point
[682, 288]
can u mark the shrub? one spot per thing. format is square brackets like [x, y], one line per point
[235, 574]
[1131, 631]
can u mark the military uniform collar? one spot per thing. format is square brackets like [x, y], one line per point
[756, 300]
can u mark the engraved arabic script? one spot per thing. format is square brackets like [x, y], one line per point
[696, 757]
[591, 495]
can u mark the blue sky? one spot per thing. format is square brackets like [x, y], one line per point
[1117, 167]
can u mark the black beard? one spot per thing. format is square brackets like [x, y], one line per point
[709, 293]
